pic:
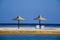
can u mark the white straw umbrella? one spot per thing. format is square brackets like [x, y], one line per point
[39, 18]
[18, 18]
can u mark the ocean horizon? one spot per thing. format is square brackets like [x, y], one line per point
[27, 25]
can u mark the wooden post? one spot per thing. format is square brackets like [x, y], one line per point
[18, 23]
[40, 23]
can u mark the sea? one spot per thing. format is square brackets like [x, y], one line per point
[30, 36]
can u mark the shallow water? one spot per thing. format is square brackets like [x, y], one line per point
[29, 36]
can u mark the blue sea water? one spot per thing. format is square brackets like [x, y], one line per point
[30, 25]
[29, 36]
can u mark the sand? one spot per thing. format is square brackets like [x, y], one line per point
[27, 30]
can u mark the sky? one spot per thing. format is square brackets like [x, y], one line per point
[30, 9]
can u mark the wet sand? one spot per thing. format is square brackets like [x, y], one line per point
[28, 30]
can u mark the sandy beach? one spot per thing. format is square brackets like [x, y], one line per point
[27, 30]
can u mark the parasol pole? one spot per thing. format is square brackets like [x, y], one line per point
[40, 23]
[18, 23]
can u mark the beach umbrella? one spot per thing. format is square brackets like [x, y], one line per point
[18, 18]
[39, 18]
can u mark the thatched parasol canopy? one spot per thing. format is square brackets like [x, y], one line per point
[18, 18]
[39, 18]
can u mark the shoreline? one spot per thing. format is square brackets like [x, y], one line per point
[27, 30]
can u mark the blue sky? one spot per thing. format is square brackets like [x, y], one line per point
[29, 9]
